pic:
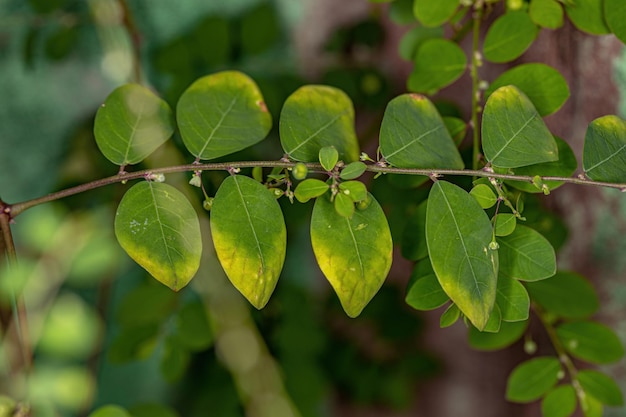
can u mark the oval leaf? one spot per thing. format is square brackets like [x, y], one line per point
[356, 190]
[509, 333]
[110, 411]
[413, 135]
[505, 224]
[604, 152]
[434, 13]
[484, 195]
[458, 233]
[222, 113]
[532, 379]
[310, 188]
[131, 124]
[328, 157]
[354, 254]
[615, 15]
[544, 86]
[590, 341]
[315, 116]
[450, 316]
[353, 170]
[159, 229]
[588, 16]
[249, 236]
[513, 133]
[559, 402]
[546, 13]
[509, 37]
[438, 63]
[566, 294]
[513, 299]
[601, 386]
[425, 292]
[344, 205]
[526, 255]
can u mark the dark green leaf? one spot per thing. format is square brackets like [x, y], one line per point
[310, 188]
[434, 13]
[344, 205]
[456, 128]
[601, 386]
[133, 343]
[438, 63]
[222, 113]
[458, 233]
[413, 39]
[315, 116]
[505, 224]
[152, 410]
[526, 255]
[145, 305]
[412, 135]
[566, 295]
[450, 316]
[249, 236]
[604, 153]
[328, 157]
[353, 170]
[615, 15]
[354, 254]
[425, 292]
[509, 333]
[513, 133]
[174, 361]
[559, 402]
[509, 37]
[547, 14]
[193, 330]
[532, 379]
[413, 243]
[590, 341]
[159, 229]
[131, 124]
[484, 195]
[544, 86]
[588, 16]
[401, 12]
[512, 299]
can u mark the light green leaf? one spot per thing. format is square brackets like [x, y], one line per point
[354, 254]
[413, 135]
[249, 236]
[604, 152]
[564, 167]
[413, 243]
[328, 157]
[601, 386]
[590, 341]
[110, 411]
[310, 188]
[544, 86]
[159, 229]
[315, 116]
[505, 224]
[458, 233]
[513, 133]
[434, 13]
[588, 16]
[509, 37]
[450, 316]
[615, 16]
[495, 320]
[222, 113]
[356, 190]
[484, 195]
[512, 299]
[510, 332]
[526, 255]
[352, 171]
[547, 14]
[566, 294]
[530, 380]
[425, 292]
[131, 124]
[591, 406]
[438, 63]
[559, 402]
[344, 205]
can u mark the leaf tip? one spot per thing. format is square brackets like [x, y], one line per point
[262, 105]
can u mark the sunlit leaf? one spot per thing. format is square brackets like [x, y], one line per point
[131, 124]
[604, 152]
[566, 294]
[458, 233]
[505, 224]
[434, 13]
[530, 380]
[547, 14]
[353, 253]
[159, 229]
[438, 63]
[526, 255]
[509, 37]
[559, 402]
[484, 195]
[316, 116]
[353, 170]
[513, 133]
[328, 157]
[615, 16]
[310, 188]
[249, 236]
[413, 135]
[510, 332]
[222, 113]
[588, 16]
[601, 386]
[590, 341]
[450, 316]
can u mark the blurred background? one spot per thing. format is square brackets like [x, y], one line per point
[105, 333]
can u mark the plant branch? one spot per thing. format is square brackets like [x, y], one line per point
[135, 37]
[476, 62]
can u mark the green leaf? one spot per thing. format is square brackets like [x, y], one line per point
[456, 128]
[434, 13]
[532, 379]
[175, 360]
[450, 316]
[222, 113]
[310, 188]
[152, 410]
[352, 171]
[495, 320]
[547, 14]
[146, 304]
[413, 243]
[249, 236]
[604, 152]
[510, 332]
[544, 86]
[193, 330]
[509, 37]
[526, 255]
[131, 124]
[513, 133]
[159, 229]
[110, 411]
[356, 190]
[590, 341]
[505, 224]
[316, 116]
[484, 195]
[413, 39]
[513, 299]
[425, 292]
[401, 12]
[438, 63]
[328, 157]
[559, 402]
[564, 167]
[601, 386]
[615, 16]
[354, 254]
[588, 16]
[458, 233]
[566, 294]
[591, 406]
[344, 205]
[413, 135]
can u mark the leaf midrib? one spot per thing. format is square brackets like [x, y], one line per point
[254, 234]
